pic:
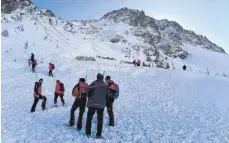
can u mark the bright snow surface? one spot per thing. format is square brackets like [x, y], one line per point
[155, 105]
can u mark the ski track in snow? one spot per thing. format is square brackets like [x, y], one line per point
[154, 106]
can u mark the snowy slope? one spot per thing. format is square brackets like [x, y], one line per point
[155, 105]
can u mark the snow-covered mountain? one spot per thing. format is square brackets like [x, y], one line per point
[138, 35]
[155, 105]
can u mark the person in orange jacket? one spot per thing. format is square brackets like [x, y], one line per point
[37, 96]
[80, 101]
[51, 67]
[59, 91]
[110, 99]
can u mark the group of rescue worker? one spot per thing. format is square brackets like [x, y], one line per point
[96, 97]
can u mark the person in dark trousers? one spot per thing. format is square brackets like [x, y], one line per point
[34, 63]
[37, 96]
[97, 93]
[184, 67]
[50, 69]
[80, 101]
[110, 99]
[59, 91]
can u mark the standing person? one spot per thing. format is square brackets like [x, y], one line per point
[138, 63]
[80, 101]
[51, 67]
[110, 99]
[37, 96]
[184, 67]
[32, 57]
[97, 93]
[134, 62]
[34, 63]
[59, 91]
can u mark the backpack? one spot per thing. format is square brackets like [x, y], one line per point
[116, 94]
[62, 87]
[53, 66]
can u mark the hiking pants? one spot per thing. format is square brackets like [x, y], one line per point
[36, 99]
[61, 98]
[109, 106]
[90, 113]
[33, 67]
[50, 73]
[81, 103]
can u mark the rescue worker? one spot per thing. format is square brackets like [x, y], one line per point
[37, 95]
[80, 101]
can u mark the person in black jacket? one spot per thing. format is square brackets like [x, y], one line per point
[37, 96]
[184, 67]
[32, 57]
[97, 93]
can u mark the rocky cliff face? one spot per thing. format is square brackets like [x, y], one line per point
[150, 35]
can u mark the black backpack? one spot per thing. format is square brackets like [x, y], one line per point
[62, 87]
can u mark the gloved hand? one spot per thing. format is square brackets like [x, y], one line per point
[36, 96]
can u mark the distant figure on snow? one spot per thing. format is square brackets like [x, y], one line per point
[184, 67]
[51, 68]
[134, 62]
[31, 59]
[138, 63]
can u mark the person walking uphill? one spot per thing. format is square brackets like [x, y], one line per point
[80, 101]
[34, 63]
[37, 96]
[97, 93]
[51, 68]
[31, 59]
[59, 91]
[110, 99]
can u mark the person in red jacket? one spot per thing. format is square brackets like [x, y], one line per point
[138, 63]
[37, 96]
[59, 91]
[80, 101]
[50, 69]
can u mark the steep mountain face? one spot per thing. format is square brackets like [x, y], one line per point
[161, 30]
[138, 35]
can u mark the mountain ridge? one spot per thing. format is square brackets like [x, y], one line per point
[166, 36]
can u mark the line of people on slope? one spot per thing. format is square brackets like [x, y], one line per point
[95, 96]
[33, 62]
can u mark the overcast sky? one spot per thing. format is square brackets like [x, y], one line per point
[207, 17]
